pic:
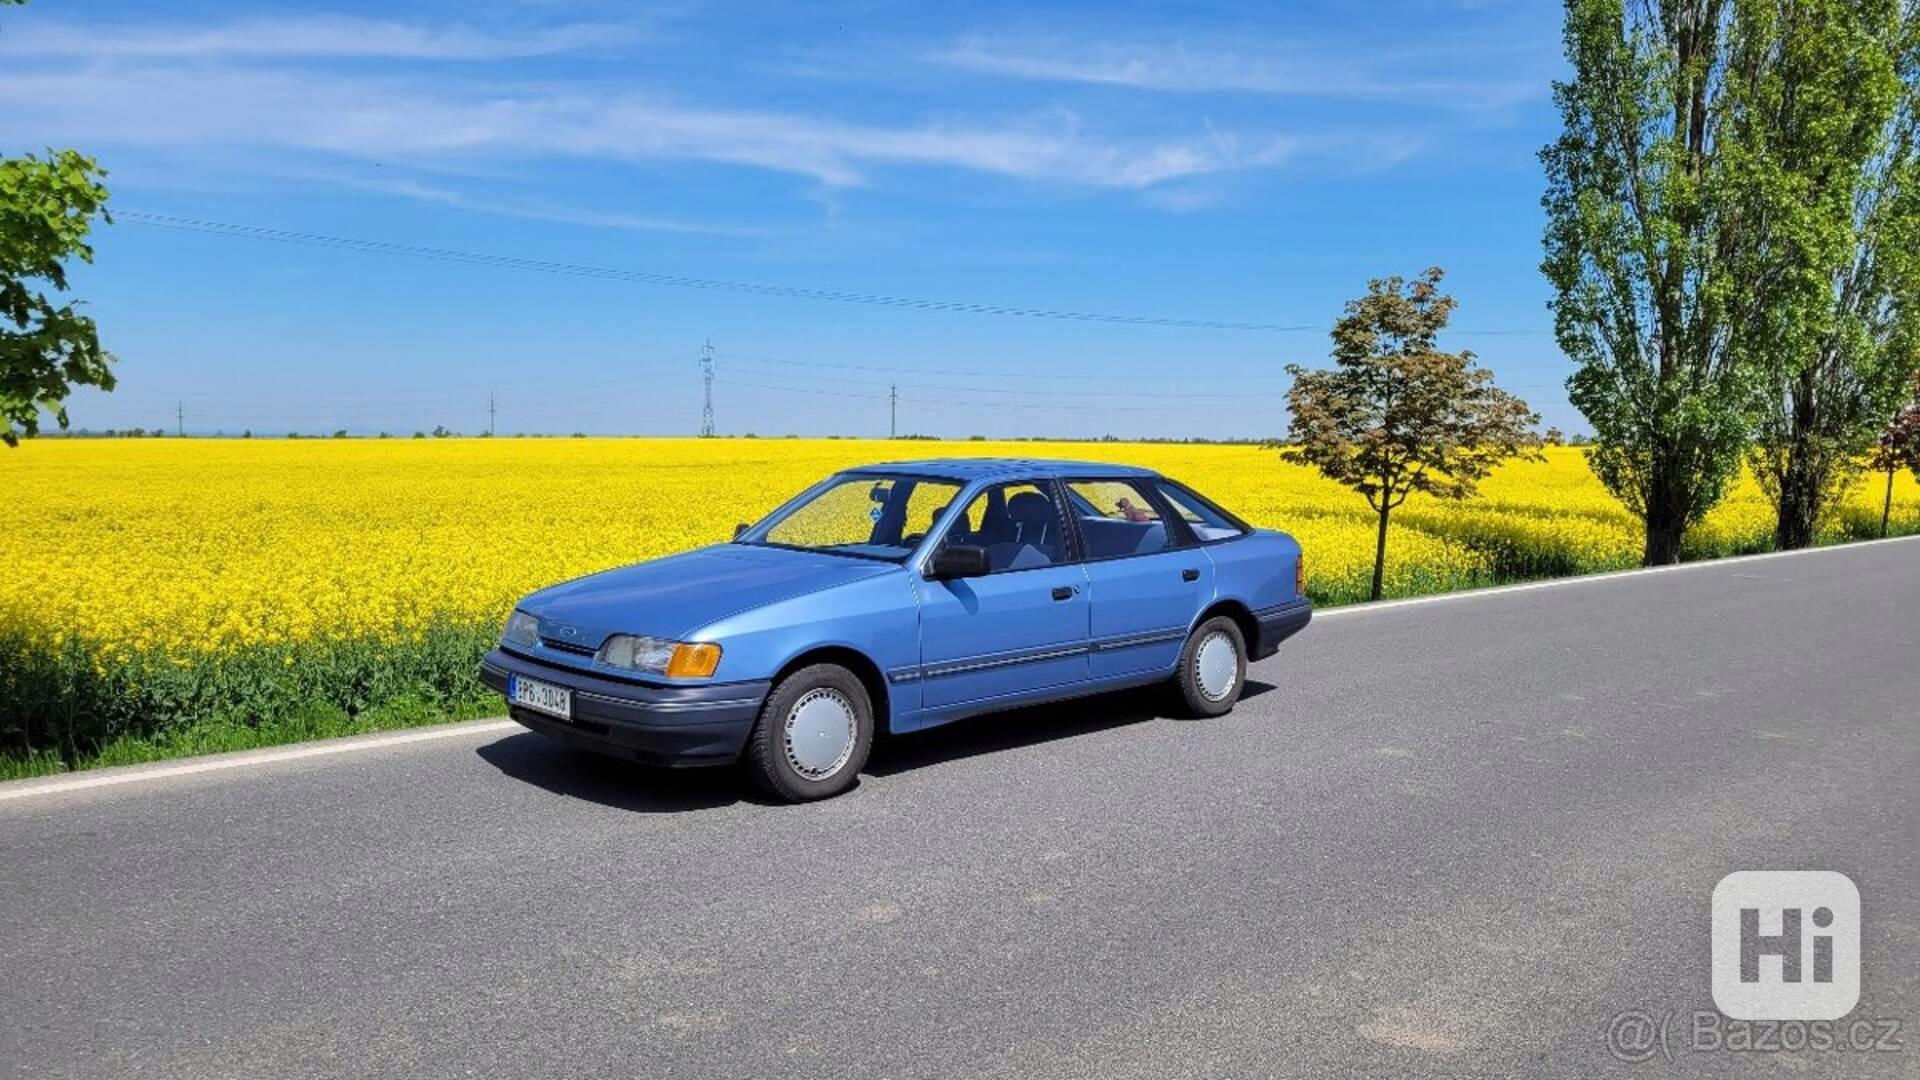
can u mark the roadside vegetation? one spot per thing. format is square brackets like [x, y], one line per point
[169, 596]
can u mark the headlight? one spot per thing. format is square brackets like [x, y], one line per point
[522, 629]
[674, 659]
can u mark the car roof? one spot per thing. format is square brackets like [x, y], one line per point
[968, 469]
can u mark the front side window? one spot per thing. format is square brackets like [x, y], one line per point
[874, 517]
[1018, 524]
[1117, 518]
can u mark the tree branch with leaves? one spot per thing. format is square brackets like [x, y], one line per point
[47, 346]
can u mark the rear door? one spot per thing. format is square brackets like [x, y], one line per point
[1148, 580]
[1022, 628]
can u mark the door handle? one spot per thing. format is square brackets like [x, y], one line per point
[1063, 592]
[1189, 575]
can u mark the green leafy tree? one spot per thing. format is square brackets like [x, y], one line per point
[1832, 125]
[47, 207]
[1696, 204]
[1396, 415]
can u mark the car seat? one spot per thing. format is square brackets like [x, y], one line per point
[1034, 532]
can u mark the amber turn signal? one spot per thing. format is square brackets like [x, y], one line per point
[693, 661]
[1300, 574]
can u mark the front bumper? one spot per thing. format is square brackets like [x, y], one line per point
[1277, 624]
[659, 725]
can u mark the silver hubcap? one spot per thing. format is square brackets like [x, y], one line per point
[1216, 664]
[819, 734]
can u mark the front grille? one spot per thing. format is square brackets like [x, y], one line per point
[568, 647]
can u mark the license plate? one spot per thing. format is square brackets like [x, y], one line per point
[540, 697]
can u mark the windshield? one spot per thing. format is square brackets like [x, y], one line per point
[868, 516]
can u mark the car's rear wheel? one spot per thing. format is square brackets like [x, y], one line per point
[813, 736]
[1213, 667]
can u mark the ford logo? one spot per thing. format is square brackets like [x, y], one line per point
[569, 631]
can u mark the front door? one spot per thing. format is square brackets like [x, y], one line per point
[1020, 629]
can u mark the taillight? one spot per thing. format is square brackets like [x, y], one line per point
[1300, 574]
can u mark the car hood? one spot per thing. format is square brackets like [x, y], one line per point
[674, 596]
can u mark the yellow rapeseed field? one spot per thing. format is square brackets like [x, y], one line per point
[188, 548]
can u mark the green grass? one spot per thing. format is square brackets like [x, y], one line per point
[59, 711]
[315, 720]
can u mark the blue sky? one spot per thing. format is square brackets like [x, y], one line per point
[1233, 162]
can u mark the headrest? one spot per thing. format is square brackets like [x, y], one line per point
[1033, 513]
[1030, 508]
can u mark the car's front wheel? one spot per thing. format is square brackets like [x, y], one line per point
[1213, 667]
[813, 736]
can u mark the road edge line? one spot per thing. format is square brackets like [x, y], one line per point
[62, 783]
[1365, 606]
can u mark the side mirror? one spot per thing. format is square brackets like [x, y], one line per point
[740, 530]
[959, 561]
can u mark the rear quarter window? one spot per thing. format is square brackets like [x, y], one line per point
[1207, 521]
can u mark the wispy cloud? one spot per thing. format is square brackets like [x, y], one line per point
[164, 106]
[314, 36]
[539, 210]
[1322, 70]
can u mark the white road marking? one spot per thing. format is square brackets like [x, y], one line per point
[133, 774]
[1589, 579]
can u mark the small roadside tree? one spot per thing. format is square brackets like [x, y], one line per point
[1898, 448]
[1396, 415]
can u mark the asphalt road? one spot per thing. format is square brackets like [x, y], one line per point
[1450, 838]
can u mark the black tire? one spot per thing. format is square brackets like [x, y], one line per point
[773, 763]
[1187, 677]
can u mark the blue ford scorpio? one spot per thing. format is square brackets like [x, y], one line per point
[902, 596]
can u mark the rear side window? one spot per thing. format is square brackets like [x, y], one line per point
[1117, 518]
[1207, 521]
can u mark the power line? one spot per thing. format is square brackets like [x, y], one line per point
[1075, 393]
[797, 292]
[972, 372]
[1004, 376]
[382, 247]
[1069, 407]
